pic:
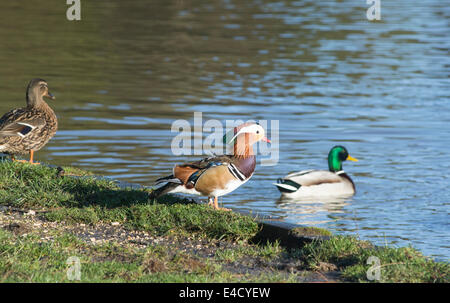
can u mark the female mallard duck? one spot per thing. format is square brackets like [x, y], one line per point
[219, 175]
[307, 183]
[28, 129]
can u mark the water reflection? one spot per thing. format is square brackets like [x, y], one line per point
[313, 210]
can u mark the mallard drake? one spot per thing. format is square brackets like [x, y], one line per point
[308, 183]
[218, 175]
[28, 129]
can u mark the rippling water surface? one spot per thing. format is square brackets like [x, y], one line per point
[128, 69]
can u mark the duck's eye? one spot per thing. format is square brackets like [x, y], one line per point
[257, 131]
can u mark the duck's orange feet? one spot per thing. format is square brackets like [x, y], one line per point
[21, 161]
[31, 158]
[216, 206]
[25, 161]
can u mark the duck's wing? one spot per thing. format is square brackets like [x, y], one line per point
[314, 177]
[293, 181]
[298, 173]
[206, 162]
[191, 171]
[20, 126]
[187, 174]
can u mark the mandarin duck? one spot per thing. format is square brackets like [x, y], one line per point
[310, 183]
[218, 175]
[28, 129]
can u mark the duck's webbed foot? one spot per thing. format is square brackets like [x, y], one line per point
[216, 205]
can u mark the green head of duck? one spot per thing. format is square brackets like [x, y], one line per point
[336, 156]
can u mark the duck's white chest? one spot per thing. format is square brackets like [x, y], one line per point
[230, 186]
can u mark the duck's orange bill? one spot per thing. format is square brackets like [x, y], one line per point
[266, 140]
[351, 158]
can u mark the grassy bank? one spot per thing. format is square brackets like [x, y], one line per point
[119, 235]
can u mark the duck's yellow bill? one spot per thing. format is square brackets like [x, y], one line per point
[351, 158]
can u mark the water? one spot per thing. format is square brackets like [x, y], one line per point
[127, 70]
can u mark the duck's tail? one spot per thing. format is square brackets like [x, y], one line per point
[171, 184]
[286, 185]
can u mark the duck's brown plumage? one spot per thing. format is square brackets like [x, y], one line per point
[28, 129]
[218, 175]
[213, 173]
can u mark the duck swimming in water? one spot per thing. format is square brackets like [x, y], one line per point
[309, 183]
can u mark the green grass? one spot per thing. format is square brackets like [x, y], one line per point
[38, 187]
[27, 259]
[161, 219]
[397, 265]
[267, 252]
[310, 231]
[91, 200]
